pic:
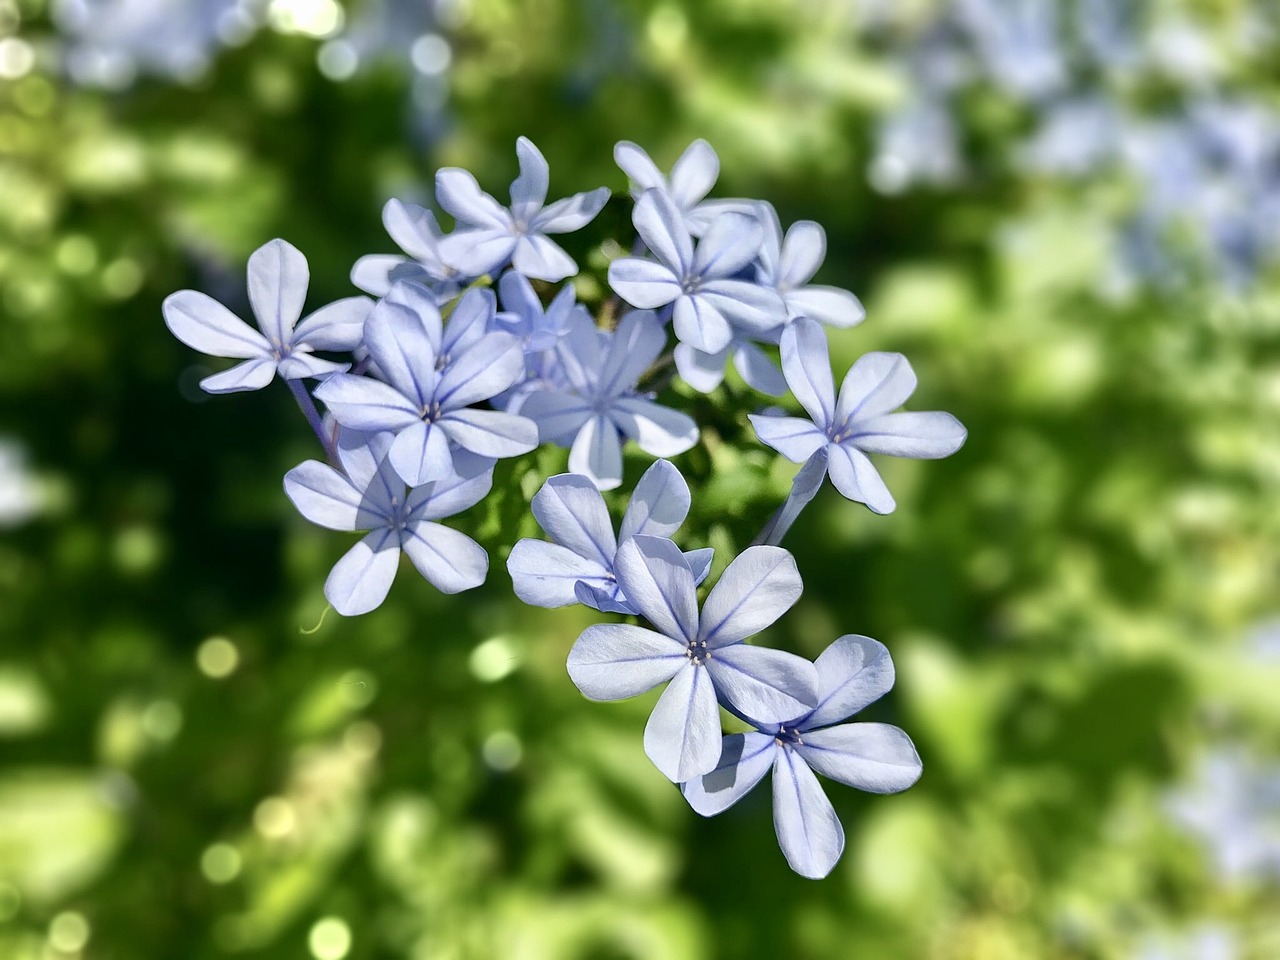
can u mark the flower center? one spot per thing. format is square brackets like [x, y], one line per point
[689, 285]
[788, 737]
[697, 652]
[430, 412]
[443, 361]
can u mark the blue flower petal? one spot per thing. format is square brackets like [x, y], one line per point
[493, 364]
[613, 661]
[765, 685]
[877, 383]
[449, 496]
[793, 437]
[876, 757]
[547, 574]
[758, 587]
[360, 580]
[404, 350]
[661, 226]
[460, 195]
[830, 305]
[278, 279]
[729, 245]
[760, 372]
[643, 283]
[337, 326]
[809, 832]
[323, 495]
[529, 189]
[756, 311]
[597, 453]
[920, 435]
[634, 346]
[363, 403]
[658, 505]
[572, 512]
[744, 760]
[490, 433]
[702, 371]
[250, 375]
[559, 416]
[450, 561]
[571, 213]
[204, 324]
[694, 174]
[699, 323]
[541, 258]
[656, 579]
[853, 672]
[682, 737]
[807, 365]
[659, 431]
[854, 475]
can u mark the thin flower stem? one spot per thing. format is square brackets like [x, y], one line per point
[803, 489]
[308, 408]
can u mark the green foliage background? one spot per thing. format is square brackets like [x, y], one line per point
[1067, 599]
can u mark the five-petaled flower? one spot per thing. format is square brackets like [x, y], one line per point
[418, 234]
[278, 281]
[701, 284]
[430, 380]
[490, 235]
[788, 264]
[371, 496]
[859, 421]
[578, 565]
[703, 656]
[877, 757]
[600, 404]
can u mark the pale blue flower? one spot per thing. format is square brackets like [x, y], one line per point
[490, 235]
[700, 285]
[371, 496]
[600, 405]
[431, 376]
[578, 567]
[524, 315]
[416, 232]
[278, 279]
[701, 655]
[787, 264]
[859, 421]
[692, 177]
[852, 673]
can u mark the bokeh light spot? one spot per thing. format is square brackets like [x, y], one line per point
[493, 659]
[338, 60]
[77, 255]
[220, 863]
[274, 818]
[431, 54]
[68, 932]
[330, 939]
[217, 657]
[312, 18]
[16, 58]
[502, 751]
[162, 720]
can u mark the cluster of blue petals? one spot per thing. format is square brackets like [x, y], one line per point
[441, 372]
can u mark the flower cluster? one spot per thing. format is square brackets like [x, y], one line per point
[440, 377]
